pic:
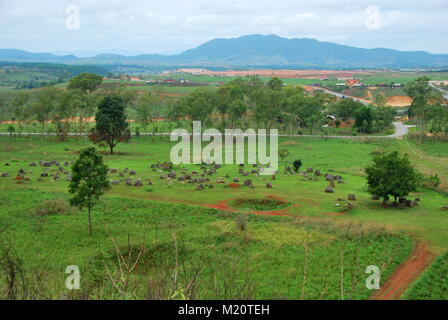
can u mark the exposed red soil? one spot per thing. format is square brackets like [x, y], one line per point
[395, 286]
[282, 213]
[303, 74]
[234, 185]
[399, 101]
[224, 206]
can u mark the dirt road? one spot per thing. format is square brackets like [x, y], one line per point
[405, 275]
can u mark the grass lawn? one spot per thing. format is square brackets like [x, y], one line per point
[266, 260]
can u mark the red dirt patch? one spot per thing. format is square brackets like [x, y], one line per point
[399, 101]
[224, 206]
[234, 185]
[282, 213]
[417, 262]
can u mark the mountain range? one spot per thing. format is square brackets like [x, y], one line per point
[255, 51]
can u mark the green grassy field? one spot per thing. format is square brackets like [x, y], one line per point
[267, 260]
[433, 285]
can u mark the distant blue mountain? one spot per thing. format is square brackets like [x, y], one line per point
[258, 51]
[25, 56]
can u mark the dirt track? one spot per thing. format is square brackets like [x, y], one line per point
[407, 273]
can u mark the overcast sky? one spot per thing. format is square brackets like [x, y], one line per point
[171, 26]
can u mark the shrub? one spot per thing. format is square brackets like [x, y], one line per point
[432, 182]
[241, 222]
[51, 207]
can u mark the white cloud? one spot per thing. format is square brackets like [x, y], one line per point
[176, 25]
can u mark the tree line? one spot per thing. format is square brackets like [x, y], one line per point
[241, 103]
[249, 102]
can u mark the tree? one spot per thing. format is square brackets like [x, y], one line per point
[391, 175]
[89, 181]
[199, 105]
[64, 112]
[297, 164]
[275, 84]
[44, 105]
[111, 126]
[422, 95]
[345, 108]
[438, 121]
[268, 104]
[307, 111]
[384, 116]
[364, 120]
[227, 95]
[87, 82]
[145, 109]
[11, 131]
[379, 99]
[237, 109]
[20, 108]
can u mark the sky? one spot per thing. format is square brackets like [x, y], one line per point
[88, 27]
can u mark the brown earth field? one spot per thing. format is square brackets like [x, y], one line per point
[399, 101]
[303, 74]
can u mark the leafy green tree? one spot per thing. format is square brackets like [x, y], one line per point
[237, 109]
[111, 126]
[379, 99]
[364, 120]
[129, 96]
[384, 116]
[391, 175]
[345, 108]
[44, 105]
[146, 109]
[268, 106]
[226, 95]
[89, 181]
[20, 108]
[87, 82]
[438, 121]
[307, 111]
[423, 97]
[11, 131]
[199, 105]
[275, 84]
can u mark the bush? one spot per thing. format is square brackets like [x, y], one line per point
[241, 222]
[51, 207]
[432, 182]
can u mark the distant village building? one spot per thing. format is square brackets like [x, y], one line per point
[353, 83]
